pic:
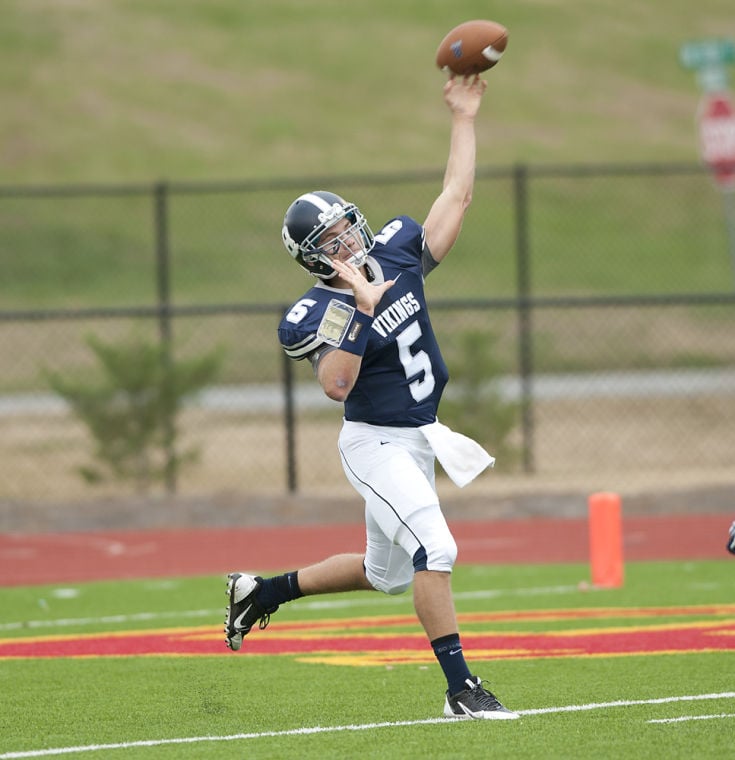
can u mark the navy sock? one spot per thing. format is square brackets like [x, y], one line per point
[278, 590]
[448, 651]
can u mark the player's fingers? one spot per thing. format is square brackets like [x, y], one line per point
[344, 267]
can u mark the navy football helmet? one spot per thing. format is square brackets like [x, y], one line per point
[309, 217]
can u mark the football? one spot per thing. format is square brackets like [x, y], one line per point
[472, 47]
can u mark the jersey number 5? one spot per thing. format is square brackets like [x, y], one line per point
[415, 364]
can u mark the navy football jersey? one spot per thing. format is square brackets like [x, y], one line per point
[403, 374]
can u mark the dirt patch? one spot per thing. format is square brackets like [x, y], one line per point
[503, 499]
[662, 456]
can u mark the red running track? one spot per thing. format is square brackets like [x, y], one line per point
[29, 558]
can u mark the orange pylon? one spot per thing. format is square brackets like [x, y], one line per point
[606, 540]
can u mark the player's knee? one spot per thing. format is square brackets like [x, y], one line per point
[438, 553]
[428, 540]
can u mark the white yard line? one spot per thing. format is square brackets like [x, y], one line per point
[628, 703]
[684, 718]
[356, 727]
[105, 619]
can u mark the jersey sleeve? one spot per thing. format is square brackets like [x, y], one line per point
[403, 238]
[428, 262]
[298, 331]
[321, 320]
[400, 242]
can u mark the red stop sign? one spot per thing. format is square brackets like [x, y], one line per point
[717, 136]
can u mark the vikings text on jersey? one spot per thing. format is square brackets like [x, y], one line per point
[403, 373]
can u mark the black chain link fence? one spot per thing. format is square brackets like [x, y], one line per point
[596, 301]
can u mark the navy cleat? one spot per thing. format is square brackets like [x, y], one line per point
[476, 702]
[244, 609]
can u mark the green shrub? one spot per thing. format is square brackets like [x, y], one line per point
[131, 409]
[475, 405]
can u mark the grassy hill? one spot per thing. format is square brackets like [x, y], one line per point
[123, 90]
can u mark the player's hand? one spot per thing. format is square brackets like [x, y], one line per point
[367, 295]
[463, 94]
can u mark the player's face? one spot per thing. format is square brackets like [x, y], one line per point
[341, 241]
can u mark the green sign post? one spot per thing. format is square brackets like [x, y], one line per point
[710, 59]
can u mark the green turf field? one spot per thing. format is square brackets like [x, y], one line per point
[655, 678]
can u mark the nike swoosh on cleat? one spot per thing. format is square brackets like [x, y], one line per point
[238, 620]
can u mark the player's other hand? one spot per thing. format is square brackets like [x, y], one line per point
[367, 295]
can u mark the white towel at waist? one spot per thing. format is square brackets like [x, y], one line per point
[462, 458]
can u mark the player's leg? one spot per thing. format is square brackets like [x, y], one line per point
[407, 534]
[342, 572]
[254, 599]
[434, 604]
[408, 537]
[466, 696]
[393, 471]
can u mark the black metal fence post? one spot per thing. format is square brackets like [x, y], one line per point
[290, 423]
[165, 324]
[523, 286]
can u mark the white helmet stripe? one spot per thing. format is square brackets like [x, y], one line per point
[320, 203]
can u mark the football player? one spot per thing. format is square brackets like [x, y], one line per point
[365, 328]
